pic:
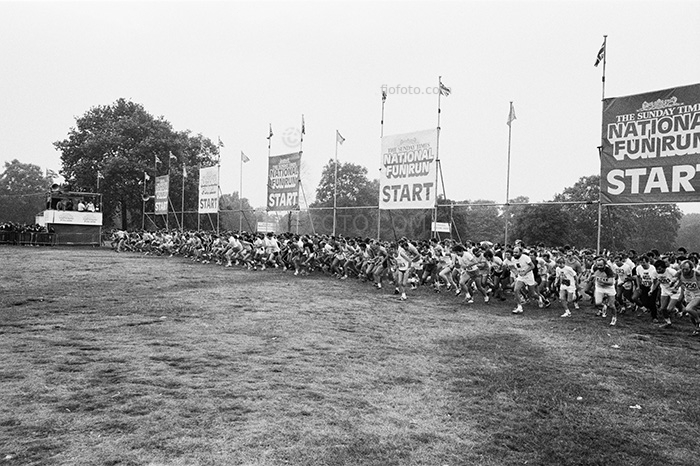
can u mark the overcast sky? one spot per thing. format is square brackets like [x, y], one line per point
[229, 69]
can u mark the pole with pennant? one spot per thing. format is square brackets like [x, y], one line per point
[269, 148]
[218, 181]
[156, 161]
[443, 90]
[338, 140]
[171, 157]
[602, 56]
[244, 159]
[143, 198]
[381, 135]
[269, 142]
[511, 117]
[182, 214]
[301, 150]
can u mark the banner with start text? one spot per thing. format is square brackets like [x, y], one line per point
[651, 147]
[162, 191]
[283, 182]
[407, 179]
[208, 190]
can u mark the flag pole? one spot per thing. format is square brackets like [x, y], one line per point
[182, 206]
[269, 154]
[143, 209]
[600, 151]
[437, 159]
[301, 150]
[240, 198]
[381, 135]
[199, 217]
[218, 184]
[167, 205]
[335, 182]
[507, 207]
[269, 142]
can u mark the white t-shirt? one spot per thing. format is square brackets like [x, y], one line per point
[666, 282]
[518, 265]
[647, 276]
[566, 275]
[623, 272]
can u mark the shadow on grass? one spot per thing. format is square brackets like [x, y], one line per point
[524, 399]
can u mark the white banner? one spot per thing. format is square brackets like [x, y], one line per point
[72, 217]
[266, 227]
[407, 179]
[283, 181]
[162, 191]
[440, 227]
[209, 190]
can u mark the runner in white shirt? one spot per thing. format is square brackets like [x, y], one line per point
[496, 269]
[522, 266]
[401, 262]
[604, 294]
[646, 278]
[690, 287]
[625, 282]
[670, 294]
[566, 282]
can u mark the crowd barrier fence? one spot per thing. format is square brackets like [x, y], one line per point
[28, 238]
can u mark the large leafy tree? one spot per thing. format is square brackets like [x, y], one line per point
[476, 221]
[641, 227]
[583, 212]
[114, 145]
[236, 212]
[23, 191]
[688, 233]
[354, 189]
[512, 213]
[545, 223]
[657, 226]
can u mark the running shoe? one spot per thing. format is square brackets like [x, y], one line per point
[518, 310]
[666, 325]
[566, 314]
[613, 321]
[486, 299]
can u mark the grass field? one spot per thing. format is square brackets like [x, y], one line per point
[121, 359]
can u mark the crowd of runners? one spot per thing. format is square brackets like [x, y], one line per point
[663, 286]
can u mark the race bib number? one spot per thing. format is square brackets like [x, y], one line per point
[604, 281]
